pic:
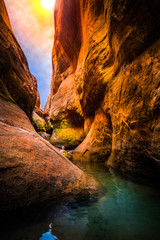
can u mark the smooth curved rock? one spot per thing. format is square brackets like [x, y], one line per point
[31, 169]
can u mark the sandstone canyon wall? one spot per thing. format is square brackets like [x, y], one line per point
[16, 82]
[105, 83]
[31, 169]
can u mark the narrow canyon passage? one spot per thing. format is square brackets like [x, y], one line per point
[80, 140]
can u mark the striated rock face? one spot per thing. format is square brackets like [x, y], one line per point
[106, 71]
[31, 169]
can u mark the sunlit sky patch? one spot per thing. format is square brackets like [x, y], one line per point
[48, 4]
[32, 24]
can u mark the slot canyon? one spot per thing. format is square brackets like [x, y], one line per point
[103, 106]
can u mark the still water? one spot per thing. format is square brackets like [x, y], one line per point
[126, 211]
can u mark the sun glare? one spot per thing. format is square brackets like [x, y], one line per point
[48, 4]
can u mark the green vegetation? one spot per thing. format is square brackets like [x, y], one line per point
[64, 133]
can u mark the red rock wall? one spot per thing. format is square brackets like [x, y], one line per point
[16, 81]
[4, 14]
[114, 80]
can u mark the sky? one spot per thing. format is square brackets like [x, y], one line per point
[33, 27]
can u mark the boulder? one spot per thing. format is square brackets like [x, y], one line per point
[31, 169]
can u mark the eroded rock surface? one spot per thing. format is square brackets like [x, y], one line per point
[106, 70]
